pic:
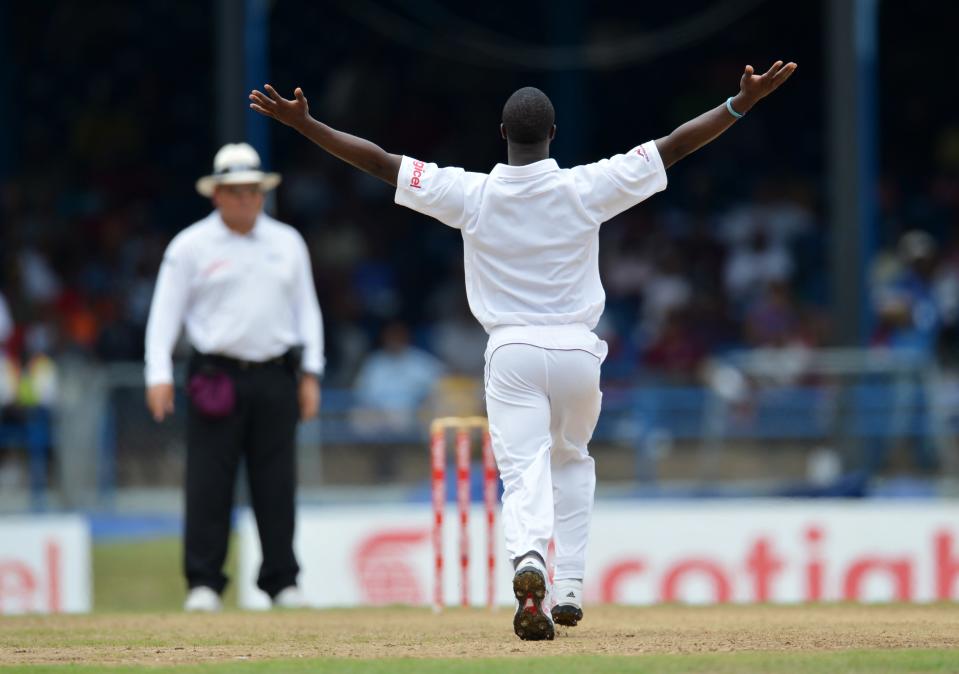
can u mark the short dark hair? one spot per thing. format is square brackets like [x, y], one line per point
[528, 116]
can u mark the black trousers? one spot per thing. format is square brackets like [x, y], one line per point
[261, 429]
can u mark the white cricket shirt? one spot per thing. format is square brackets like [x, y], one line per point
[248, 296]
[531, 238]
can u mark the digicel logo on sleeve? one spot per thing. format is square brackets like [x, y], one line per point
[419, 168]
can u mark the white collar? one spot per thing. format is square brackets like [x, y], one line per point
[526, 170]
[252, 234]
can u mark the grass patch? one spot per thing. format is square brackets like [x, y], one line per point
[147, 576]
[855, 662]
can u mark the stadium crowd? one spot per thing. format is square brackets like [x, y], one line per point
[734, 254]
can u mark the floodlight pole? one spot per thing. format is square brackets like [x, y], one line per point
[256, 41]
[230, 67]
[8, 120]
[852, 161]
[565, 25]
[242, 63]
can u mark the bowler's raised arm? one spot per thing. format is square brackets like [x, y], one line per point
[295, 113]
[703, 129]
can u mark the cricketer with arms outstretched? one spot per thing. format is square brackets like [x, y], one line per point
[531, 256]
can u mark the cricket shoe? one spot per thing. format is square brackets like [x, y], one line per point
[202, 599]
[568, 595]
[290, 597]
[531, 622]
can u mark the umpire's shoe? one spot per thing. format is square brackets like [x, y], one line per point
[531, 622]
[568, 595]
[202, 599]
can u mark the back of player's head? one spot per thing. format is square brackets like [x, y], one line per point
[528, 116]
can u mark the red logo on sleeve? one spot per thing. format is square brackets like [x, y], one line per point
[641, 151]
[419, 168]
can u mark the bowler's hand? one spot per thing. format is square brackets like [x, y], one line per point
[309, 395]
[160, 401]
[754, 87]
[291, 112]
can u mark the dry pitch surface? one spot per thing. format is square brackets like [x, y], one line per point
[171, 639]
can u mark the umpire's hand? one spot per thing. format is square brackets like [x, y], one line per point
[160, 401]
[309, 395]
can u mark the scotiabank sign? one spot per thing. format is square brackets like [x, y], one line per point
[44, 564]
[696, 552]
[777, 552]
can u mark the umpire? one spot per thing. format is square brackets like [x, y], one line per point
[242, 285]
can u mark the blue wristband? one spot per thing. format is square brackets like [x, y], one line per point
[729, 106]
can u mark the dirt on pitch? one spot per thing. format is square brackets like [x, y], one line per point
[401, 632]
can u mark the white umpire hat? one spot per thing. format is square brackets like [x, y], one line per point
[236, 164]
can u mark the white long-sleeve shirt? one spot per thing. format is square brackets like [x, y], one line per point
[531, 238]
[247, 296]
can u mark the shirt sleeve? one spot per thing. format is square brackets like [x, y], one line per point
[611, 186]
[166, 313]
[441, 193]
[308, 315]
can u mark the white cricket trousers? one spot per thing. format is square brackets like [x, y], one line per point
[542, 406]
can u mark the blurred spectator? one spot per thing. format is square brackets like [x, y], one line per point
[773, 320]
[907, 314]
[946, 291]
[777, 210]
[754, 264]
[677, 350]
[6, 322]
[393, 384]
[456, 337]
[907, 322]
[38, 281]
[705, 254]
[665, 291]
[347, 343]
[28, 391]
[37, 382]
[460, 342]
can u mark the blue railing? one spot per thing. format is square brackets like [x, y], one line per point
[789, 413]
[638, 416]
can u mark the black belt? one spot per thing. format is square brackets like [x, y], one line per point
[285, 360]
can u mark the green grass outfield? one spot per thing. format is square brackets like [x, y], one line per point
[146, 576]
[892, 662]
